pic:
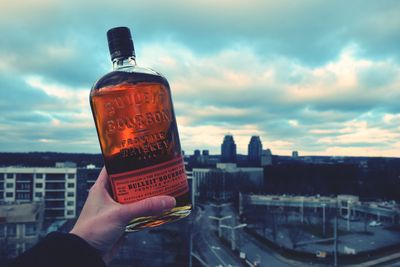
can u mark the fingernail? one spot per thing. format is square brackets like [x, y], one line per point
[168, 203]
[173, 202]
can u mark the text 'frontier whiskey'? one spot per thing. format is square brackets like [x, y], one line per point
[138, 134]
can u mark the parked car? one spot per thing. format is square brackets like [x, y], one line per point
[375, 223]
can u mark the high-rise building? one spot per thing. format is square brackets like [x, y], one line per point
[295, 154]
[56, 186]
[228, 150]
[254, 150]
[197, 153]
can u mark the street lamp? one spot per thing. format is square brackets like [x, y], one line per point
[349, 203]
[302, 209]
[323, 218]
[218, 207]
[233, 237]
[219, 219]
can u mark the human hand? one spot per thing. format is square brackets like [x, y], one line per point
[102, 220]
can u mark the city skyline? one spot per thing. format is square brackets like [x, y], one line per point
[267, 68]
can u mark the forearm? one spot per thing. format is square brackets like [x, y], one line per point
[59, 249]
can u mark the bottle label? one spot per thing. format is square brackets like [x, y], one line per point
[135, 121]
[167, 178]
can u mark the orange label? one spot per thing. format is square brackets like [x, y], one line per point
[167, 178]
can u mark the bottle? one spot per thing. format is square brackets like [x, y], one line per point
[137, 130]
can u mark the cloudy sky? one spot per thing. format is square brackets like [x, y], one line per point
[320, 77]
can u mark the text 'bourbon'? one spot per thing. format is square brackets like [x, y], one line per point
[136, 125]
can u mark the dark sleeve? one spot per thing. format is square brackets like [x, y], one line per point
[58, 249]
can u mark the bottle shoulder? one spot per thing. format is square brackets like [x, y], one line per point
[131, 76]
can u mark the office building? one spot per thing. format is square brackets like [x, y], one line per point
[197, 153]
[228, 150]
[226, 180]
[266, 157]
[56, 186]
[254, 150]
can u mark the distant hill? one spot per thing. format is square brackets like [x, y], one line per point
[48, 159]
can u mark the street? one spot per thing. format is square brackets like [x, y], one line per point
[208, 246]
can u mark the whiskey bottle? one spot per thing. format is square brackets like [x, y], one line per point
[137, 130]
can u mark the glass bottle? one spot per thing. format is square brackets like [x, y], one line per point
[137, 130]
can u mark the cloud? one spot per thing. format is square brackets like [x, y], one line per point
[318, 77]
[311, 113]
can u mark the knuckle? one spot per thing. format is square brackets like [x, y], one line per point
[150, 205]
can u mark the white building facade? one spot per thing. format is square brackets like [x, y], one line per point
[226, 180]
[55, 186]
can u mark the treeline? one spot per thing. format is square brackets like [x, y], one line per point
[48, 159]
[380, 180]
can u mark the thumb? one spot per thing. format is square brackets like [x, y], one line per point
[147, 207]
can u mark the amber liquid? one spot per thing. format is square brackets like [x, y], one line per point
[136, 126]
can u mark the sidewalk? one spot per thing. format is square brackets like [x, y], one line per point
[378, 261]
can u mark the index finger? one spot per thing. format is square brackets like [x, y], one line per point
[102, 180]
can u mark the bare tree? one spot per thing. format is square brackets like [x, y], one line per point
[273, 221]
[295, 234]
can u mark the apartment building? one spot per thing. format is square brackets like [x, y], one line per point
[20, 227]
[55, 186]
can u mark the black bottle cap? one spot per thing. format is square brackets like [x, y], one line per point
[120, 42]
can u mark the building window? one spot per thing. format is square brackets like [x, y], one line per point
[55, 177]
[11, 230]
[28, 245]
[2, 230]
[19, 248]
[38, 194]
[24, 176]
[30, 229]
[23, 186]
[70, 203]
[10, 175]
[70, 212]
[39, 175]
[71, 185]
[55, 195]
[9, 185]
[39, 185]
[71, 176]
[23, 196]
[70, 194]
[9, 194]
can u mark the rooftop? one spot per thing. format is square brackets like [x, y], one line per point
[20, 213]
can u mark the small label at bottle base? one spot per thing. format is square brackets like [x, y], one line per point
[167, 178]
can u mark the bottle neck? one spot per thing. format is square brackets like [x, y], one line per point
[121, 63]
